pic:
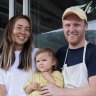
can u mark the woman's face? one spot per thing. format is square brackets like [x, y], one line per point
[21, 33]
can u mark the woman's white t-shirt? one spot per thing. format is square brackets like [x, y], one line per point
[14, 79]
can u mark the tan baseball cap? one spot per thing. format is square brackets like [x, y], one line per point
[75, 10]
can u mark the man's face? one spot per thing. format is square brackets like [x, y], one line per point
[74, 30]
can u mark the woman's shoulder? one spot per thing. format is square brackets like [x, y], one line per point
[34, 50]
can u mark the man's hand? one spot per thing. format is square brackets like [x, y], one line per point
[50, 90]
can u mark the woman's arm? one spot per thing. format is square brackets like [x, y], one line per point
[2, 90]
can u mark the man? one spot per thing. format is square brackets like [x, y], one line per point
[78, 61]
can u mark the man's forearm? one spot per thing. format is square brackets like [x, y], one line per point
[83, 91]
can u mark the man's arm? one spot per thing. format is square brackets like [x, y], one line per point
[89, 90]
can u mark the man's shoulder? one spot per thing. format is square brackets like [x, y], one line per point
[91, 47]
[91, 51]
[62, 49]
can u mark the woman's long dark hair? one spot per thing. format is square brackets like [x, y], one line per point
[7, 47]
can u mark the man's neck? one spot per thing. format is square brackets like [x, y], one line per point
[76, 46]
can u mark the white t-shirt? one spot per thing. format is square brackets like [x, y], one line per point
[14, 79]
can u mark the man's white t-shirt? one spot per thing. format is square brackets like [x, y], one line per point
[14, 79]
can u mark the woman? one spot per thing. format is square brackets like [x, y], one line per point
[17, 56]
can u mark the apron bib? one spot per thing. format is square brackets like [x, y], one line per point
[75, 76]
